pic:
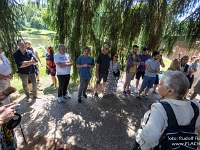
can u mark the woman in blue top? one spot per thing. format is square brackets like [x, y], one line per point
[50, 65]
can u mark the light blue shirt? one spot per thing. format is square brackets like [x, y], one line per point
[152, 65]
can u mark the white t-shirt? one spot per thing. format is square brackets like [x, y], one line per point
[5, 68]
[62, 59]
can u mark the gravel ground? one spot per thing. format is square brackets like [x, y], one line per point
[95, 124]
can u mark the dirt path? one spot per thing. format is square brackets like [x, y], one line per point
[95, 124]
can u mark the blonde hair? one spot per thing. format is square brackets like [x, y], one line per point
[173, 66]
[27, 43]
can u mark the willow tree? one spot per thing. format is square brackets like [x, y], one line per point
[8, 27]
[122, 23]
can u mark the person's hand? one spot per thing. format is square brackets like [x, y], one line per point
[9, 76]
[142, 63]
[7, 113]
[97, 75]
[85, 65]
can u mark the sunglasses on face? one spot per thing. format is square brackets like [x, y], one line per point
[116, 56]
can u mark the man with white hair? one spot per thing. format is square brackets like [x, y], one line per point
[63, 67]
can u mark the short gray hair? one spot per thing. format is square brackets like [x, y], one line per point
[61, 45]
[84, 48]
[176, 80]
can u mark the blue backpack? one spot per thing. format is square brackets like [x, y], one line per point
[178, 137]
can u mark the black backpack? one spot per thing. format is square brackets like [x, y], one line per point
[178, 137]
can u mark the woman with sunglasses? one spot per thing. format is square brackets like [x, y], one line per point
[113, 75]
[50, 65]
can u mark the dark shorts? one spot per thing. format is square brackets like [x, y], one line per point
[104, 76]
[157, 80]
[139, 74]
[52, 74]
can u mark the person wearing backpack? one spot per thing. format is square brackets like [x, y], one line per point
[167, 124]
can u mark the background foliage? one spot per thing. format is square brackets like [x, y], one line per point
[120, 23]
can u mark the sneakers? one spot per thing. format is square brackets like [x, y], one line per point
[54, 88]
[145, 97]
[138, 96]
[136, 90]
[96, 94]
[128, 92]
[79, 100]
[124, 93]
[66, 96]
[28, 99]
[60, 99]
[84, 95]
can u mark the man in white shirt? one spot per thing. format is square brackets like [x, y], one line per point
[63, 66]
[5, 75]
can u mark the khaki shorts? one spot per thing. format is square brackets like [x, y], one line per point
[130, 76]
[197, 87]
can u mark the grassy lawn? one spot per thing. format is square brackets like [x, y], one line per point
[39, 32]
[167, 63]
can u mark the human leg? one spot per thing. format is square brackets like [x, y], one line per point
[66, 83]
[86, 86]
[24, 79]
[32, 77]
[81, 86]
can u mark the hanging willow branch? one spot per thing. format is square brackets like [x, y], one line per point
[10, 13]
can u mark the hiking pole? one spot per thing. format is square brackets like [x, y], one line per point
[23, 134]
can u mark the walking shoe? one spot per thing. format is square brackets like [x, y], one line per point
[84, 95]
[79, 100]
[138, 96]
[54, 88]
[66, 96]
[60, 99]
[28, 99]
[124, 93]
[96, 94]
[128, 92]
[145, 97]
[136, 90]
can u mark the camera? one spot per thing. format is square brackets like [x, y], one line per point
[17, 107]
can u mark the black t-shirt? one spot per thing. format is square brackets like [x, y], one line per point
[103, 61]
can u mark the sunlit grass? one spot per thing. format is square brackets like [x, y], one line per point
[36, 31]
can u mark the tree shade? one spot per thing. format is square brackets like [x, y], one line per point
[120, 23]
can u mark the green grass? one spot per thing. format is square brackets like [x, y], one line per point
[36, 31]
[167, 63]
